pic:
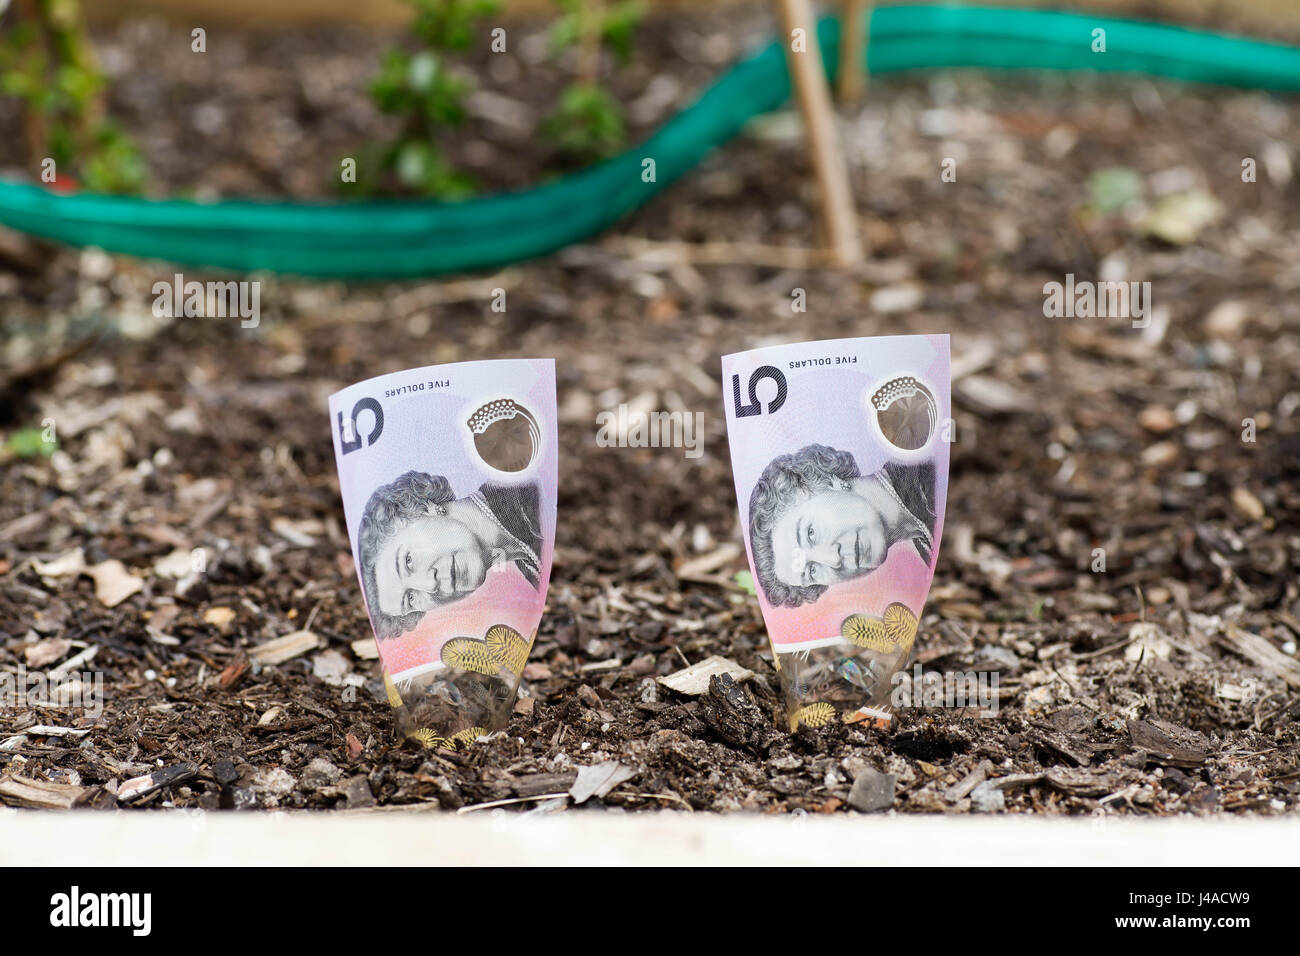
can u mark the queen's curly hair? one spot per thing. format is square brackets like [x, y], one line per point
[785, 480]
[392, 507]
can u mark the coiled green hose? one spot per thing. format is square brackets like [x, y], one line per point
[421, 238]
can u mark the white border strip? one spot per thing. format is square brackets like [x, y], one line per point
[400, 837]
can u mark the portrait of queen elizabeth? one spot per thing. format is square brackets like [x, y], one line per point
[421, 547]
[815, 520]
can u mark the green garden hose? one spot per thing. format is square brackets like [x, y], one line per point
[391, 239]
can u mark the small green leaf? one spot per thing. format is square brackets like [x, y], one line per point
[746, 581]
[30, 443]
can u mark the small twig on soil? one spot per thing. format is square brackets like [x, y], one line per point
[296, 738]
[1074, 690]
[655, 796]
[1262, 654]
[963, 787]
[1125, 793]
[1089, 655]
[509, 802]
[312, 616]
[1137, 664]
[719, 253]
[210, 513]
[72, 663]
[1261, 720]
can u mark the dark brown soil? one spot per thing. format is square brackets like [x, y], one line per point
[1131, 690]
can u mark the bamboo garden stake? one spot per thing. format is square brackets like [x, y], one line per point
[808, 76]
[853, 48]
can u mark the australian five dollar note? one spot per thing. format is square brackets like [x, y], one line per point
[840, 455]
[448, 477]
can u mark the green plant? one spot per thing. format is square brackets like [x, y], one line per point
[420, 87]
[29, 443]
[587, 122]
[46, 62]
[114, 164]
[595, 22]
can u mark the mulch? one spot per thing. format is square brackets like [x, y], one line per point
[1165, 684]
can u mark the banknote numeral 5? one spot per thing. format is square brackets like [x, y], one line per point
[755, 407]
[350, 429]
